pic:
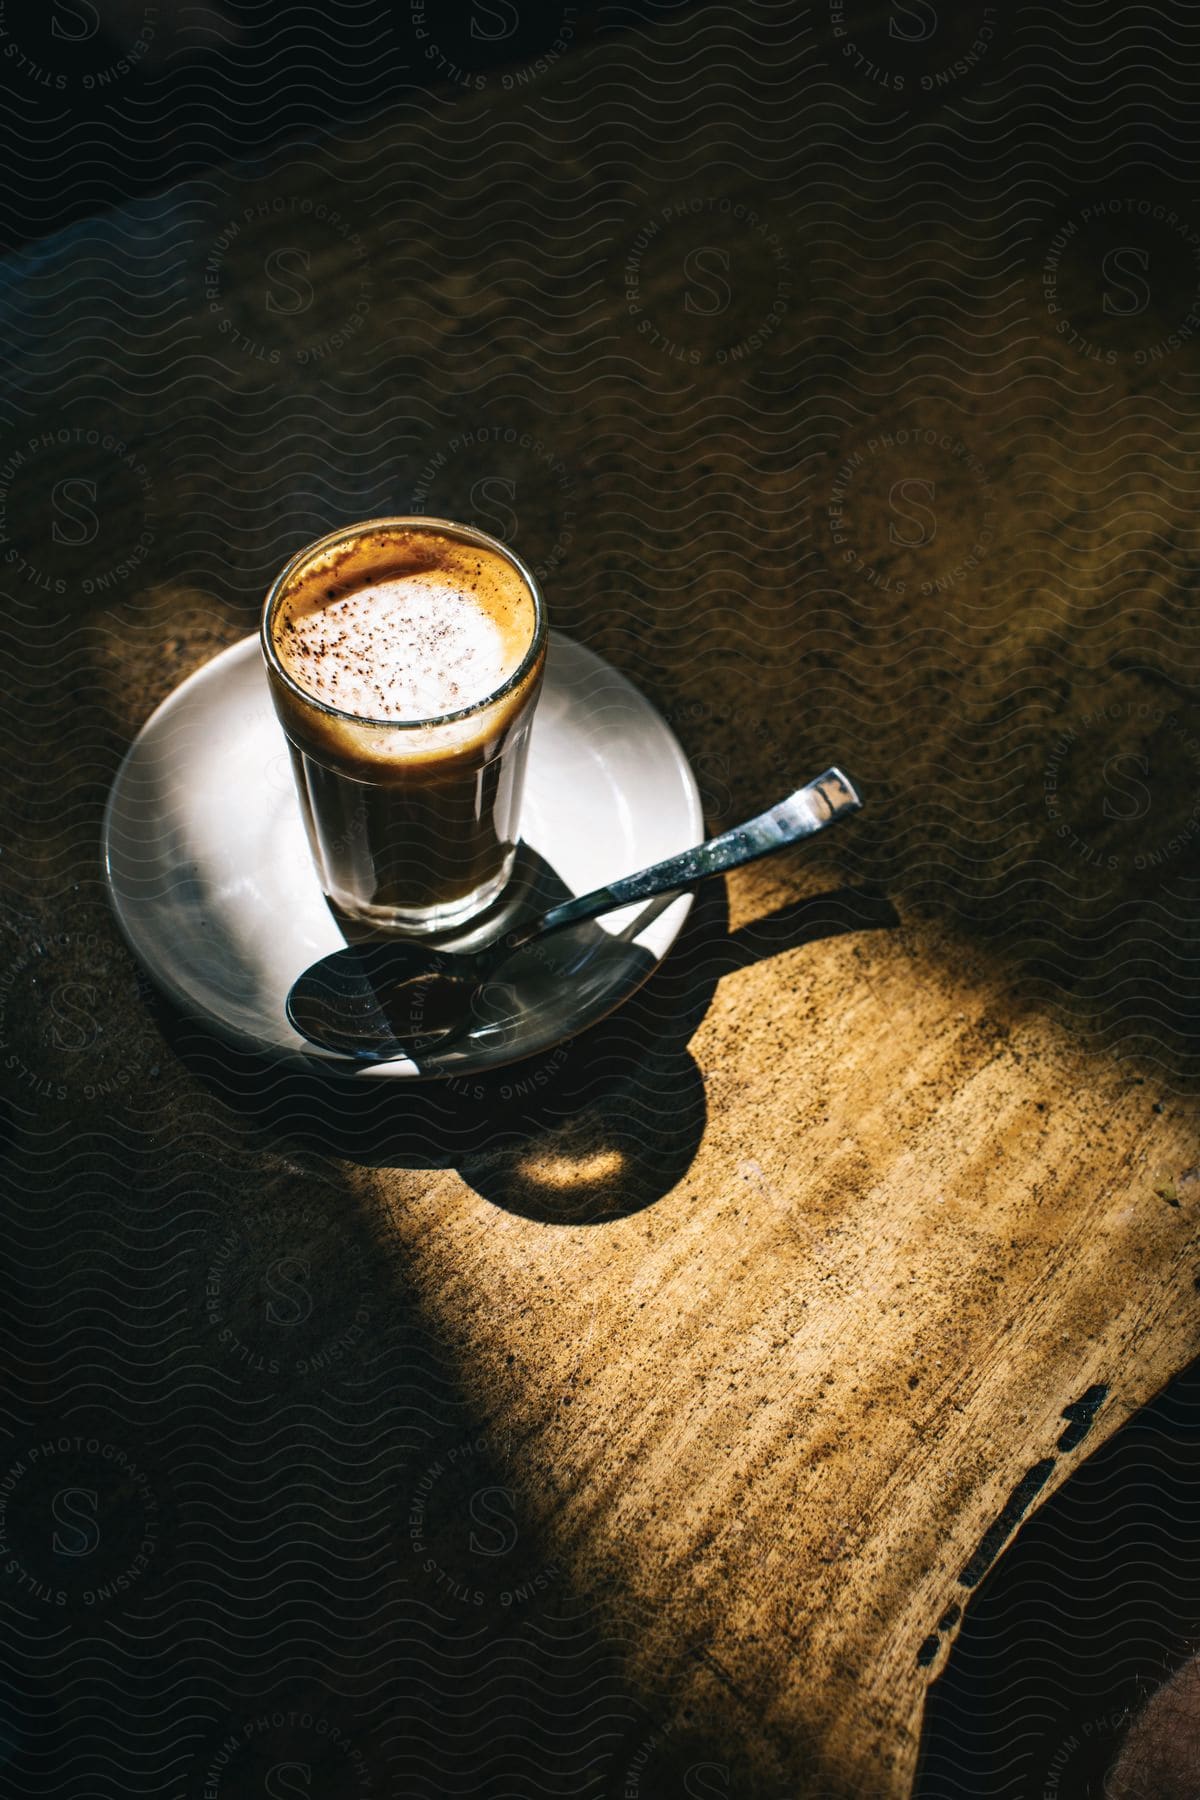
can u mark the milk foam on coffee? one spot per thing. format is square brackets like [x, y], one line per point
[412, 647]
[404, 625]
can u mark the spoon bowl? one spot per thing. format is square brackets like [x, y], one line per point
[377, 1001]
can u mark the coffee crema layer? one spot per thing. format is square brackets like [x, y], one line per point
[409, 649]
[404, 626]
[392, 630]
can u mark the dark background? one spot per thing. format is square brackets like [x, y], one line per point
[1092, 1606]
[109, 99]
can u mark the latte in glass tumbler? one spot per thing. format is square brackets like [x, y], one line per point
[405, 657]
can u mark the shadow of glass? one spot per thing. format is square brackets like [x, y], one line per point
[587, 1131]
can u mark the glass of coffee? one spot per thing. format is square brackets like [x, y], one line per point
[405, 657]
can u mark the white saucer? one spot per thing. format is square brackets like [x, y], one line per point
[212, 883]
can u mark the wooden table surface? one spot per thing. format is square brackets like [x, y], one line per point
[639, 1423]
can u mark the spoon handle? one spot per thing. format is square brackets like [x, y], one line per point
[809, 810]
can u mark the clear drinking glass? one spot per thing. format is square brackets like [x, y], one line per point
[413, 824]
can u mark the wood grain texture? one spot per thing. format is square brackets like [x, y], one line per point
[772, 1295]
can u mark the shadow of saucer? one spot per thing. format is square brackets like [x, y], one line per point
[592, 1130]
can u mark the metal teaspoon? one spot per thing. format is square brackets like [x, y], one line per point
[378, 1001]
